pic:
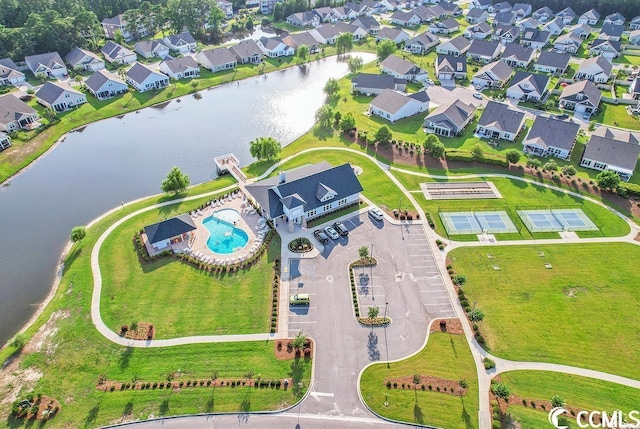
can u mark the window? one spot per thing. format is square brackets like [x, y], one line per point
[327, 207]
[67, 95]
[311, 213]
[342, 202]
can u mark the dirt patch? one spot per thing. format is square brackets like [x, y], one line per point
[283, 349]
[44, 336]
[426, 382]
[572, 292]
[15, 380]
[451, 326]
[140, 331]
[42, 408]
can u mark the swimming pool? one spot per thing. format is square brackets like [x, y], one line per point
[224, 238]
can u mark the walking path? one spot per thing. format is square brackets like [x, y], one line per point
[484, 377]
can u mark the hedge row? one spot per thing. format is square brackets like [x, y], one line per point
[460, 155]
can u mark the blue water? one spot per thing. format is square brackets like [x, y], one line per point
[224, 238]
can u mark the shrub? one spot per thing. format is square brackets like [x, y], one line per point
[459, 279]
[489, 363]
[480, 339]
[430, 387]
[496, 425]
[476, 315]
[463, 383]
[395, 385]
[388, 385]
[423, 387]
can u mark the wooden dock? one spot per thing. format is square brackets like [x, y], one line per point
[230, 164]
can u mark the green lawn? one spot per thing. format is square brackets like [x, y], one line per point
[74, 356]
[581, 304]
[628, 59]
[617, 115]
[446, 356]
[180, 300]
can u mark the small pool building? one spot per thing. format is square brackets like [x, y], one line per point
[163, 234]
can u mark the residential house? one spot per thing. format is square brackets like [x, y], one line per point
[180, 68]
[174, 230]
[305, 193]
[151, 48]
[555, 26]
[326, 14]
[500, 7]
[583, 97]
[360, 9]
[49, 65]
[611, 31]
[5, 142]
[583, 31]
[504, 18]
[247, 52]
[612, 150]
[521, 10]
[405, 18]
[304, 19]
[595, 69]
[484, 51]
[430, 13]
[615, 18]
[634, 89]
[367, 23]
[266, 6]
[551, 137]
[500, 121]
[9, 73]
[82, 59]
[357, 32]
[344, 13]
[103, 85]
[478, 31]
[117, 23]
[117, 54]
[505, 34]
[516, 55]
[376, 7]
[568, 42]
[552, 62]
[393, 106]
[59, 96]
[295, 40]
[480, 4]
[421, 43]
[325, 34]
[143, 79]
[217, 59]
[395, 34]
[226, 7]
[449, 67]
[567, 15]
[456, 46]
[274, 47]
[590, 17]
[450, 119]
[635, 23]
[536, 39]
[450, 8]
[447, 26]
[609, 49]
[528, 86]
[15, 114]
[476, 15]
[374, 84]
[493, 75]
[528, 24]
[543, 14]
[403, 69]
[181, 42]
[634, 37]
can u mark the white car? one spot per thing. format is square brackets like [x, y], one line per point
[376, 213]
[477, 95]
[429, 81]
[331, 232]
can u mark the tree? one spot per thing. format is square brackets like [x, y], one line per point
[354, 64]
[501, 391]
[550, 166]
[332, 88]
[430, 141]
[344, 43]
[533, 163]
[78, 233]
[608, 179]
[512, 156]
[302, 54]
[176, 182]
[568, 170]
[557, 401]
[476, 315]
[437, 150]
[118, 37]
[363, 252]
[249, 24]
[337, 116]
[299, 340]
[193, 15]
[476, 151]
[348, 122]
[383, 135]
[265, 148]
[19, 341]
[324, 116]
[373, 312]
[385, 48]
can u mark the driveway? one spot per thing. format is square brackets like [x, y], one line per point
[440, 95]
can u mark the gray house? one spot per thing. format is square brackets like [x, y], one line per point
[421, 43]
[516, 55]
[144, 79]
[9, 73]
[175, 230]
[5, 142]
[552, 62]
[59, 96]
[15, 114]
[494, 75]
[551, 137]
[103, 85]
[151, 48]
[581, 97]
[80, 58]
[499, 121]
[117, 54]
[49, 64]
[247, 51]
[528, 86]
[181, 42]
[180, 68]
[484, 51]
[450, 119]
[613, 150]
[374, 84]
[217, 59]
[449, 67]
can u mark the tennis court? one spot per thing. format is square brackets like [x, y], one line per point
[556, 220]
[491, 222]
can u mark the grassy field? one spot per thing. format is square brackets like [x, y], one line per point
[74, 355]
[617, 115]
[180, 300]
[446, 356]
[582, 303]
[634, 60]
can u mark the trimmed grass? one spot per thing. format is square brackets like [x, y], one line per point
[446, 356]
[583, 303]
[617, 115]
[628, 59]
[81, 355]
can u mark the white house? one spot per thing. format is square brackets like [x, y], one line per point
[49, 65]
[103, 85]
[500, 121]
[567, 15]
[635, 23]
[552, 62]
[5, 142]
[456, 46]
[393, 106]
[609, 49]
[117, 54]
[144, 79]
[450, 119]
[248, 51]
[478, 31]
[516, 55]
[551, 137]
[484, 51]
[59, 96]
[615, 18]
[373, 84]
[180, 68]
[396, 34]
[421, 43]
[568, 42]
[151, 48]
[613, 150]
[405, 18]
[80, 58]
[181, 42]
[325, 34]
[595, 69]
[590, 17]
[9, 73]
[536, 39]
[163, 234]
[403, 69]
[15, 114]
[506, 34]
[494, 75]
[447, 26]
[583, 97]
[527, 86]
[449, 67]
[274, 47]
[217, 59]
[555, 26]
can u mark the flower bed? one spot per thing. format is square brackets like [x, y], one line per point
[369, 261]
[300, 245]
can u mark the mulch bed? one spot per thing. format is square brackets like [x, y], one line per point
[143, 331]
[446, 386]
[176, 385]
[283, 349]
[46, 403]
[451, 326]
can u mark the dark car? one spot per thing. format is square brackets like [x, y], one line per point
[342, 230]
[321, 236]
[562, 117]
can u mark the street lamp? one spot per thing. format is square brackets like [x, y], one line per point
[386, 344]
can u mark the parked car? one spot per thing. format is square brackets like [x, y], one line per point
[586, 115]
[429, 81]
[331, 232]
[478, 87]
[321, 236]
[299, 299]
[376, 213]
[477, 95]
[342, 230]
[562, 117]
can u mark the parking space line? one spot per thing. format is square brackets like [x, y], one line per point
[302, 322]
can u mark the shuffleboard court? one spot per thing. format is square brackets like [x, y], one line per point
[459, 190]
[491, 222]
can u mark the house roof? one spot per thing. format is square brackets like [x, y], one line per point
[586, 87]
[612, 152]
[502, 5]
[271, 43]
[544, 10]
[448, 6]
[219, 56]
[149, 46]
[178, 65]
[451, 64]
[635, 85]
[498, 68]
[506, 18]
[185, 36]
[449, 23]
[391, 101]
[99, 78]
[617, 134]
[115, 20]
[582, 29]
[567, 11]
[537, 82]
[77, 54]
[397, 64]
[521, 7]
[598, 61]
[248, 48]
[459, 42]
[375, 81]
[425, 39]
[569, 38]
[535, 35]
[481, 27]
[612, 30]
[476, 12]
[298, 39]
[51, 91]
[113, 50]
[615, 44]
[500, 117]
[554, 59]
[8, 69]
[517, 52]
[528, 23]
[549, 132]
[483, 48]
[343, 27]
[591, 14]
[390, 33]
[482, 2]
[557, 21]
[366, 22]
[504, 30]
[615, 16]
[302, 183]
[48, 60]
[169, 228]
[453, 115]
[139, 72]
[402, 15]
[14, 109]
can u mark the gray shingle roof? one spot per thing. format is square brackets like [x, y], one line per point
[246, 49]
[96, 80]
[185, 36]
[389, 33]
[617, 134]
[612, 152]
[585, 87]
[535, 35]
[374, 81]
[459, 42]
[517, 52]
[425, 39]
[537, 81]
[548, 132]
[220, 56]
[504, 18]
[178, 65]
[476, 13]
[499, 68]
[148, 46]
[299, 39]
[553, 59]
[390, 101]
[483, 27]
[14, 109]
[615, 44]
[591, 14]
[504, 30]
[48, 60]
[113, 50]
[8, 69]
[501, 117]
[567, 11]
[169, 228]
[139, 72]
[483, 48]
[451, 64]
[601, 62]
[397, 64]
[366, 22]
[454, 115]
[77, 54]
[612, 30]
[51, 91]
